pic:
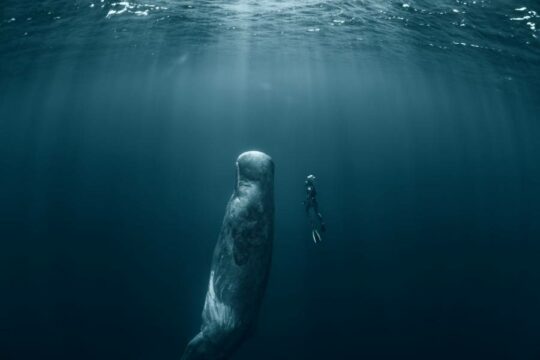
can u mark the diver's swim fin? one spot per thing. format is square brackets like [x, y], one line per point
[316, 236]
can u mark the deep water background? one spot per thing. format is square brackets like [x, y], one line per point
[120, 124]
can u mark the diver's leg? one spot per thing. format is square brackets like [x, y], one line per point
[321, 222]
[319, 216]
[316, 210]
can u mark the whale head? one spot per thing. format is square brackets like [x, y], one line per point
[255, 166]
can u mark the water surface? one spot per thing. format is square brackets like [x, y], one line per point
[120, 123]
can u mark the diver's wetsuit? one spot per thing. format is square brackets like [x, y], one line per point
[311, 203]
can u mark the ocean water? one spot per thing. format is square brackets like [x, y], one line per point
[120, 123]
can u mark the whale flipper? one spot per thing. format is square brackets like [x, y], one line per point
[241, 262]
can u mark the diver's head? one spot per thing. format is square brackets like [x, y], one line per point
[311, 178]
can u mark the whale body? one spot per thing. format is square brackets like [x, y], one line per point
[240, 263]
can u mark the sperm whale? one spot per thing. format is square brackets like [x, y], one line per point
[240, 264]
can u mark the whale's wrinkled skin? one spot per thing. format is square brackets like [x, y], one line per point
[240, 264]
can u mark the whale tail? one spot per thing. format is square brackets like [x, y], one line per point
[215, 346]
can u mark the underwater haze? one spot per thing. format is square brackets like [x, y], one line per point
[120, 124]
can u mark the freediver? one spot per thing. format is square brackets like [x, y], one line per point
[312, 204]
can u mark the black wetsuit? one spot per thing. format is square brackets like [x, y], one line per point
[311, 203]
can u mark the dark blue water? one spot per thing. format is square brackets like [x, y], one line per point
[120, 124]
